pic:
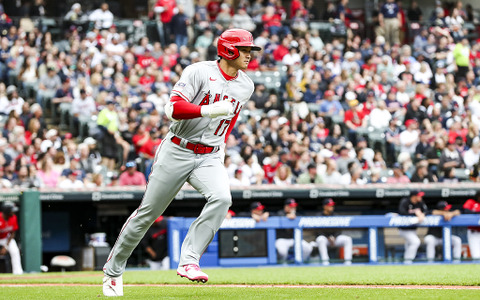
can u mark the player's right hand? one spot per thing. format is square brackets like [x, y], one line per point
[217, 109]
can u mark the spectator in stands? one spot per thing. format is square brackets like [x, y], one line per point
[421, 173]
[450, 158]
[71, 181]
[380, 116]
[108, 124]
[412, 206]
[344, 159]
[434, 234]
[461, 53]
[283, 176]
[102, 17]
[12, 102]
[333, 237]
[354, 119]
[145, 144]
[389, 18]
[239, 179]
[164, 11]
[472, 206]
[144, 106]
[409, 138]
[180, 23]
[46, 174]
[414, 13]
[398, 175]
[329, 106]
[243, 20]
[155, 244]
[8, 229]
[285, 240]
[472, 155]
[48, 85]
[310, 176]
[131, 176]
[86, 163]
[23, 179]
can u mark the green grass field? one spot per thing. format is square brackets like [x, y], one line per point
[260, 283]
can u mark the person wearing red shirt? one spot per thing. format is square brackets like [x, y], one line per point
[8, 227]
[131, 176]
[354, 118]
[213, 8]
[147, 59]
[281, 50]
[165, 10]
[271, 167]
[143, 142]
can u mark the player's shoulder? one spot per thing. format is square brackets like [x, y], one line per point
[243, 76]
[204, 66]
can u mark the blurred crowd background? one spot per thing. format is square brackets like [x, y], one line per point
[389, 93]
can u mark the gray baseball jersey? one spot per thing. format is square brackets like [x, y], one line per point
[202, 84]
[174, 164]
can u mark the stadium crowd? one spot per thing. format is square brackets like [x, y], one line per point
[348, 109]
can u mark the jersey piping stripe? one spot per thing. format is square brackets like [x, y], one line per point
[136, 212]
[181, 95]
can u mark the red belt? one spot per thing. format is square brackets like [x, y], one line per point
[196, 148]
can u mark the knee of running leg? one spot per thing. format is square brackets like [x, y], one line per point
[223, 199]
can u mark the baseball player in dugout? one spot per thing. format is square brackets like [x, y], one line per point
[472, 206]
[412, 206]
[434, 234]
[8, 228]
[285, 240]
[204, 106]
[333, 237]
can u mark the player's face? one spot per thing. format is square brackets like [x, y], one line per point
[243, 60]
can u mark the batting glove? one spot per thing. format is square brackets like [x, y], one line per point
[217, 109]
[168, 108]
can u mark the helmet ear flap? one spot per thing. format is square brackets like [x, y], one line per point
[227, 50]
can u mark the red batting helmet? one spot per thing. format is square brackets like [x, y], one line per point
[230, 39]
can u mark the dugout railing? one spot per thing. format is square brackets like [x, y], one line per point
[264, 243]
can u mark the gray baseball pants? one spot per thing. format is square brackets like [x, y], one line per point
[173, 167]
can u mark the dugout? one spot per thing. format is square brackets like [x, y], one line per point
[60, 222]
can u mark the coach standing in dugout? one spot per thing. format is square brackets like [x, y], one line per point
[412, 206]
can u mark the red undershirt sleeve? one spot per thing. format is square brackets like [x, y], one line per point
[184, 110]
[230, 127]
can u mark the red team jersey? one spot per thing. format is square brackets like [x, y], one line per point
[7, 226]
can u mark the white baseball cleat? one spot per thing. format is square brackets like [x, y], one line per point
[113, 286]
[192, 272]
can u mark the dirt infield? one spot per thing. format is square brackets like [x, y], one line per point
[405, 287]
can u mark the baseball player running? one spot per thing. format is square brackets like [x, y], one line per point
[204, 106]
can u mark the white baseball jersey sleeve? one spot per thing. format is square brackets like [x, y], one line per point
[202, 84]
